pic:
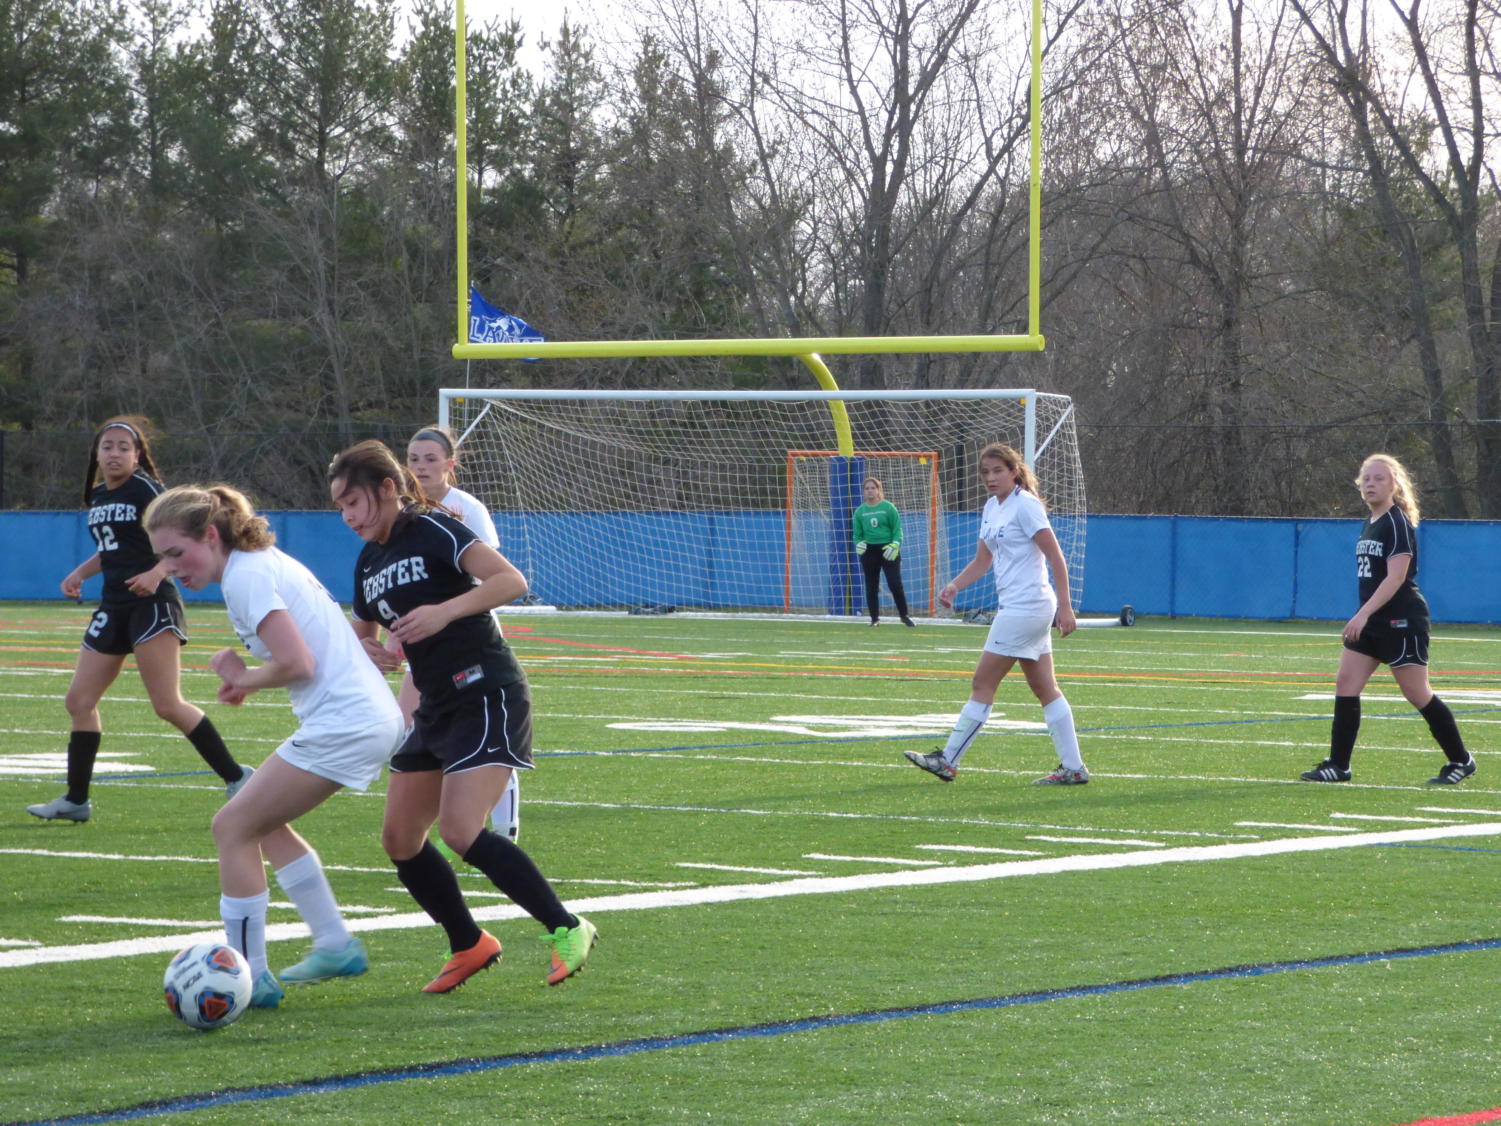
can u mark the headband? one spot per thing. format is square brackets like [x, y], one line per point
[428, 434]
[134, 433]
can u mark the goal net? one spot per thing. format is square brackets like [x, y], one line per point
[824, 488]
[734, 501]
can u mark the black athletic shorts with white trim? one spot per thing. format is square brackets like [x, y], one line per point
[1408, 647]
[487, 729]
[118, 627]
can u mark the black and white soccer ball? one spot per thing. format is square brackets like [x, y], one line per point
[208, 985]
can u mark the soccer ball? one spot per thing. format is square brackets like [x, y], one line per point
[208, 985]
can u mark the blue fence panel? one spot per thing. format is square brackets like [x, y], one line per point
[1162, 565]
[1324, 573]
[1459, 569]
[1233, 568]
[1128, 560]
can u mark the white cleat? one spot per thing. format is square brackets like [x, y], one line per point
[61, 809]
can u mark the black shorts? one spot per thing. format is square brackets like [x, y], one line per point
[489, 729]
[117, 628]
[1409, 647]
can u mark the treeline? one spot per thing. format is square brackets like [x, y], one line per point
[1270, 239]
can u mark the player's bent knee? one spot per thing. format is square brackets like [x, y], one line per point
[458, 838]
[401, 843]
[231, 828]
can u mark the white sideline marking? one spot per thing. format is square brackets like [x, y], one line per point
[589, 880]
[817, 885]
[1446, 809]
[868, 859]
[1097, 840]
[1291, 825]
[127, 920]
[471, 893]
[57, 855]
[56, 762]
[17, 942]
[736, 868]
[982, 848]
[1468, 695]
[1376, 817]
[926, 820]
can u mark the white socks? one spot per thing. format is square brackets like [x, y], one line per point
[506, 817]
[245, 928]
[972, 717]
[1060, 720]
[307, 887]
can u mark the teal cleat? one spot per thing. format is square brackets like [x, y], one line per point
[320, 965]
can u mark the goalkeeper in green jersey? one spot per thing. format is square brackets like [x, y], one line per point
[878, 543]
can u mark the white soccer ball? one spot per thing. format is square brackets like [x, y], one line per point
[208, 985]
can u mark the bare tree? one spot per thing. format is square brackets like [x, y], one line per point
[890, 150]
[1449, 77]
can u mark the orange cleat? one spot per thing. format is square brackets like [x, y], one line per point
[465, 964]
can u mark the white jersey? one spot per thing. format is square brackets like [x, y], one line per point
[1021, 570]
[346, 691]
[474, 514]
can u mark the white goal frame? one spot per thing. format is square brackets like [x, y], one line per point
[507, 435]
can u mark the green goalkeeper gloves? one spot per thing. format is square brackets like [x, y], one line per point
[892, 550]
[860, 546]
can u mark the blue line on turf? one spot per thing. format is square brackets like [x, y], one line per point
[339, 1083]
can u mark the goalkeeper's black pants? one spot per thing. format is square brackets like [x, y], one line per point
[873, 563]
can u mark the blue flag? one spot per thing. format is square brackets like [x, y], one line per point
[489, 325]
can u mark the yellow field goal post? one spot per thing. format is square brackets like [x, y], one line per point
[808, 349]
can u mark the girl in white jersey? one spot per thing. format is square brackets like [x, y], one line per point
[349, 723]
[433, 458]
[1016, 543]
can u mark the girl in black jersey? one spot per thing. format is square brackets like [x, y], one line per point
[429, 580]
[1391, 626]
[140, 612]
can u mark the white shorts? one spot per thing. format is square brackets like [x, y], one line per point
[1026, 634]
[350, 758]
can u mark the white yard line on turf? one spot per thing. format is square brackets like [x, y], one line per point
[1449, 809]
[869, 859]
[753, 871]
[981, 848]
[1096, 840]
[985, 822]
[59, 855]
[817, 885]
[1291, 825]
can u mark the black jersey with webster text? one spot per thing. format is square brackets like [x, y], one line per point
[418, 566]
[120, 538]
[1382, 538]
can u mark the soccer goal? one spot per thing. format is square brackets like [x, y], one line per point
[742, 501]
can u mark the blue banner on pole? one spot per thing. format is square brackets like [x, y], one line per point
[491, 325]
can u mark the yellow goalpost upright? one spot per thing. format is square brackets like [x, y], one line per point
[742, 499]
[808, 349]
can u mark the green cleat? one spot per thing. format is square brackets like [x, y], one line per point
[570, 949]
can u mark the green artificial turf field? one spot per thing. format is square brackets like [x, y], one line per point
[796, 925]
